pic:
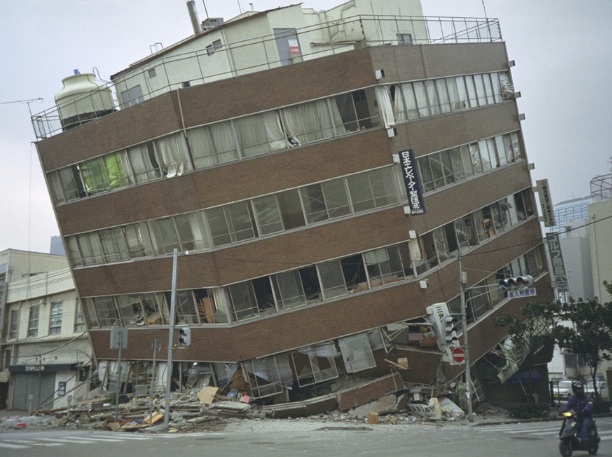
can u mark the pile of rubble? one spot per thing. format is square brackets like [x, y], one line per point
[204, 409]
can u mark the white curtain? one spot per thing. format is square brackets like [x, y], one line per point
[274, 131]
[224, 141]
[171, 152]
[141, 163]
[385, 106]
[202, 148]
[421, 98]
[252, 135]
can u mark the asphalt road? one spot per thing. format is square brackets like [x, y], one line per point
[425, 440]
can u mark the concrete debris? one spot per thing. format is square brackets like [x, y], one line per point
[205, 409]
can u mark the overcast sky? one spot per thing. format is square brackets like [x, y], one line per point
[562, 49]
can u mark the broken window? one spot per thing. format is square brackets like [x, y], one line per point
[90, 248]
[156, 309]
[387, 264]
[356, 353]
[314, 364]
[130, 310]
[264, 377]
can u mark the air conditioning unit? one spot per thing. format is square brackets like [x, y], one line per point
[211, 23]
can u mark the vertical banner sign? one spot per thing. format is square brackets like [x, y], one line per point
[412, 183]
[556, 260]
[546, 203]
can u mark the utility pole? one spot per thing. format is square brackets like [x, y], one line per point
[170, 339]
[466, 344]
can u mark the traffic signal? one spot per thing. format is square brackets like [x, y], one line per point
[450, 331]
[516, 283]
[184, 336]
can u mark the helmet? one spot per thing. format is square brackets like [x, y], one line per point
[577, 387]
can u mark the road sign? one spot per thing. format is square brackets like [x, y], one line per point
[531, 292]
[458, 356]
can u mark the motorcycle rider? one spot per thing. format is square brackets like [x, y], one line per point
[582, 404]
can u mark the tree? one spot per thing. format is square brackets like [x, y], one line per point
[530, 333]
[608, 286]
[589, 334]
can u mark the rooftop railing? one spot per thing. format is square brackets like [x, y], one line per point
[175, 70]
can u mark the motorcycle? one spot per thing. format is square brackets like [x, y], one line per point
[569, 436]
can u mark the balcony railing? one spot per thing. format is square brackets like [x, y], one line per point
[259, 54]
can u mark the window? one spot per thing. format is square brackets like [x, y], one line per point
[325, 201]
[79, 318]
[107, 313]
[374, 189]
[230, 224]
[13, 324]
[61, 388]
[315, 364]
[55, 322]
[404, 38]
[356, 353]
[132, 96]
[214, 47]
[152, 73]
[33, 320]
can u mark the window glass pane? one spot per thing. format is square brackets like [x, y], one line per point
[224, 142]
[466, 159]
[130, 310]
[480, 90]
[488, 88]
[243, 300]
[201, 146]
[336, 198]
[185, 307]
[114, 244]
[443, 95]
[291, 209]
[218, 225]
[90, 311]
[171, 154]
[308, 122]
[314, 203]
[332, 279]
[252, 135]
[456, 164]
[138, 240]
[107, 313]
[289, 289]
[156, 309]
[432, 96]
[55, 324]
[95, 176]
[70, 178]
[420, 93]
[143, 162]
[356, 353]
[483, 148]
[268, 215]
[164, 233]
[501, 151]
[240, 221]
[436, 170]
[471, 90]
[191, 231]
[56, 187]
[346, 108]
[73, 251]
[412, 109]
[462, 94]
[91, 249]
[475, 156]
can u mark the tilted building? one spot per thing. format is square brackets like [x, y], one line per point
[321, 175]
